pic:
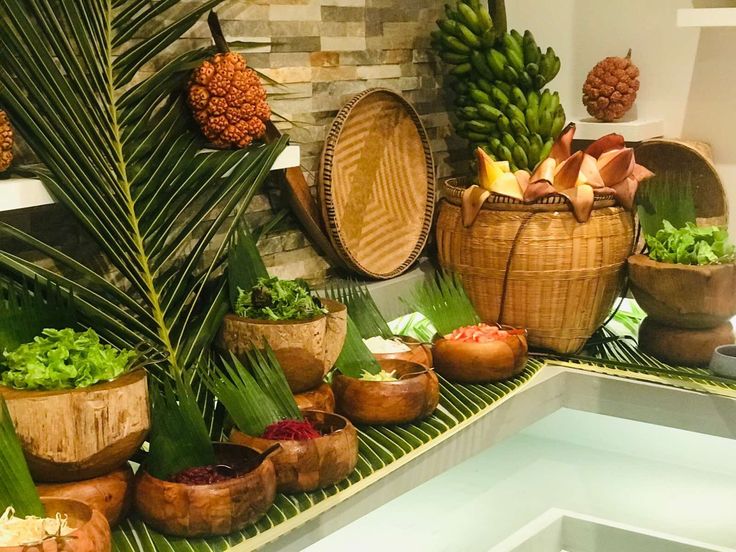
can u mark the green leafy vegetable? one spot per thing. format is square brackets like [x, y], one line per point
[355, 358]
[444, 302]
[275, 299]
[254, 398]
[63, 359]
[16, 486]
[179, 439]
[361, 308]
[691, 245]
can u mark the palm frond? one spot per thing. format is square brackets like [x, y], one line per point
[361, 308]
[444, 302]
[28, 308]
[355, 357]
[16, 486]
[245, 265]
[122, 153]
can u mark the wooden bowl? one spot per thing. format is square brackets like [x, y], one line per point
[684, 296]
[321, 398]
[480, 362]
[77, 434]
[208, 510]
[306, 349]
[111, 494]
[413, 397]
[314, 463]
[683, 346]
[92, 530]
[420, 353]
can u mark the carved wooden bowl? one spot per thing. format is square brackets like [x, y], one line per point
[207, 510]
[305, 349]
[111, 494]
[314, 463]
[92, 530]
[480, 362]
[78, 434]
[321, 398]
[413, 397]
[419, 353]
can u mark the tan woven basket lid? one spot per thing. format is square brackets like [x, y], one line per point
[377, 184]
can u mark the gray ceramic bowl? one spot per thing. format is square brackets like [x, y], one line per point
[723, 361]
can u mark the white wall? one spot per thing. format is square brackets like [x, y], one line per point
[688, 75]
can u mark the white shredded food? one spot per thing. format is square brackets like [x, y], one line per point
[381, 346]
[16, 531]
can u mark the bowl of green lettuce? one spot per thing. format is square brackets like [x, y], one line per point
[688, 277]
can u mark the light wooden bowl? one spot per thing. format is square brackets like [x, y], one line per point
[413, 397]
[111, 494]
[305, 349]
[480, 362]
[92, 530]
[684, 296]
[314, 463]
[321, 398]
[419, 353]
[208, 510]
[72, 435]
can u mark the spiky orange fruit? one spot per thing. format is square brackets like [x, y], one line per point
[6, 141]
[228, 101]
[611, 87]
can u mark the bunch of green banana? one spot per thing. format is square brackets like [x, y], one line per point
[499, 78]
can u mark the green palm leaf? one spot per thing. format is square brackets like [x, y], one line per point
[124, 157]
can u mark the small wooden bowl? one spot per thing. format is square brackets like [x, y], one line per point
[480, 362]
[321, 398]
[413, 397]
[78, 434]
[92, 530]
[208, 510]
[111, 494]
[314, 463]
[419, 353]
[305, 349]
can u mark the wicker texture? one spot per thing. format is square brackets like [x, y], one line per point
[377, 184]
[563, 276]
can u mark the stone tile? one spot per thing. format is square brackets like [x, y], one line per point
[324, 59]
[340, 13]
[343, 43]
[379, 71]
[309, 12]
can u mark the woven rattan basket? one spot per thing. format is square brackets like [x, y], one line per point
[534, 266]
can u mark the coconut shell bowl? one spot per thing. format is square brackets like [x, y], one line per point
[413, 396]
[305, 349]
[469, 362]
[320, 398]
[311, 464]
[77, 434]
[111, 494]
[419, 352]
[92, 532]
[189, 510]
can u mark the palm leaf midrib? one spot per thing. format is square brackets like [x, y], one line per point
[152, 294]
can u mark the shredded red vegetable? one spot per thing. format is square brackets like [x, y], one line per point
[202, 475]
[291, 430]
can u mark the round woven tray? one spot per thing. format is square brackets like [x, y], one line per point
[377, 185]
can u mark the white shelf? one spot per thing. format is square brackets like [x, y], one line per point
[706, 17]
[23, 193]
[633, 131]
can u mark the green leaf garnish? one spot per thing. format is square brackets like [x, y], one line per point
[691, 244]
[275, 299]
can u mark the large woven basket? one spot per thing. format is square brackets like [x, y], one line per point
[534, 266]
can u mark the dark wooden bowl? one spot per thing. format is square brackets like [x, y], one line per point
[315, 463]
[321, 398]
[207, 510]
[92, 530]
[111, 494]
[683, 296]
[305, 349]
[73, 435]
[413, 397]
[480, 362]
[420, 353]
